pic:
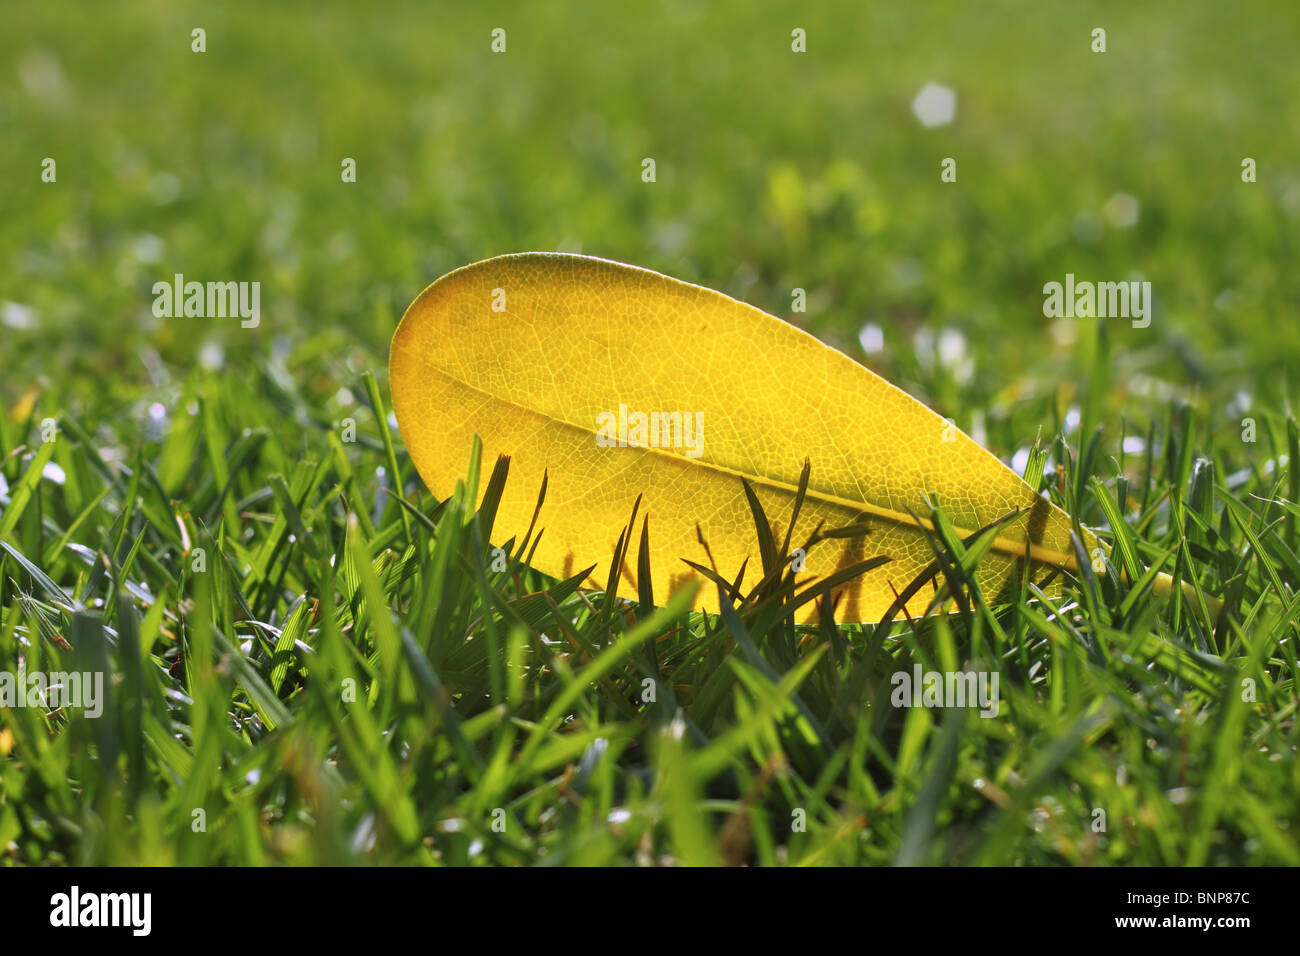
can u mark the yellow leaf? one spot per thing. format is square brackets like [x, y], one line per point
[548, 357]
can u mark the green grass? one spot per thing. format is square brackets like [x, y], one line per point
[348, 679]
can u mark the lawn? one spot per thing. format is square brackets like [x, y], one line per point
[313, 660]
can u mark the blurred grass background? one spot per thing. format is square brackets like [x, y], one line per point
[775, 170]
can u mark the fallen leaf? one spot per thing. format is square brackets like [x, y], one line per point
[548, 357]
